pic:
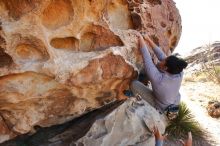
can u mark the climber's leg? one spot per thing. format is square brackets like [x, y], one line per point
[140, 89]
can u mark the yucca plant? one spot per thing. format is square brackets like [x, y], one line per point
[184, 123]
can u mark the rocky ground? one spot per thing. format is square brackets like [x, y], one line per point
[200, 85]
[197, 95]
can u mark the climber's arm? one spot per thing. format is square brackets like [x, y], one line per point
[157, 50]
[150, 68]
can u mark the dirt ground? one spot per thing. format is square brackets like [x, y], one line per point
[196, 95]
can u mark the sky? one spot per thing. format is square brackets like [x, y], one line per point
[200, 23]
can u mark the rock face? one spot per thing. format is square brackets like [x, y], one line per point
[62, 58]
[213, 109]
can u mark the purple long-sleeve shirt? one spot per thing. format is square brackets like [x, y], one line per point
[165, 86]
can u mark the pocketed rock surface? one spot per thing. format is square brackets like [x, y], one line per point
[60, 59]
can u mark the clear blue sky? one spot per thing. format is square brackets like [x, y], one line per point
[200, 23]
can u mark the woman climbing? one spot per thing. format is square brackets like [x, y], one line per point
[165, 78]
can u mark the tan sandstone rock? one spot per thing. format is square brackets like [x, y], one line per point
[62, 58]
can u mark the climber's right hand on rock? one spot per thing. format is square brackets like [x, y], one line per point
[138, 34]
[140, 40]
[145, 36]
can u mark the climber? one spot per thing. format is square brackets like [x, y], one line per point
[165, 78]
[160, 138]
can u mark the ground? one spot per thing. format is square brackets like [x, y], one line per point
[196, 95]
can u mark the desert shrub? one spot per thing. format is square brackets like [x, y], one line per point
[210, 67]
[212, 72]
[184, 123]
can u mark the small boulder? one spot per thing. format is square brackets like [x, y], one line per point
[129, 124]
[213, 108]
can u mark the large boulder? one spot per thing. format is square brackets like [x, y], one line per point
[62, 58]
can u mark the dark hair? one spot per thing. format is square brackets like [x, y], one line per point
[175, 65]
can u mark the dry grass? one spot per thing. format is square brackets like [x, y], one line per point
[206, 74]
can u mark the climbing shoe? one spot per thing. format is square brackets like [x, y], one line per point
[128, 93]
